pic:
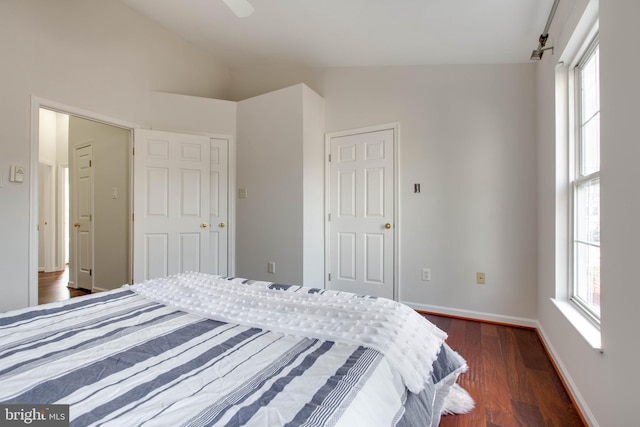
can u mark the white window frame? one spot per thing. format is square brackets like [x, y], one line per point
[577, 179]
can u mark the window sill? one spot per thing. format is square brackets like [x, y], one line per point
[588, 330]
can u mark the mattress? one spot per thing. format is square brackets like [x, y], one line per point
[195, 350]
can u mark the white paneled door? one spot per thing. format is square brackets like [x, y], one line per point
[83, 210]
[361, 211]
[171, 204]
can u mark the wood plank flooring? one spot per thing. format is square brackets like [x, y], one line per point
[510, 377]
[53, 287]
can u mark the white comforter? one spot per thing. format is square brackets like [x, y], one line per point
[410, 343]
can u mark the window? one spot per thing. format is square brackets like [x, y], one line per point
[585, 248]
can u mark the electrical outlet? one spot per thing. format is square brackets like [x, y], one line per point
[426, 274]
[480, 278]
[271, 267]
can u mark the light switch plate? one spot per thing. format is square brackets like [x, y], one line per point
[16, 174]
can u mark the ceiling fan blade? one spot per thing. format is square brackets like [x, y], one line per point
[242, 8]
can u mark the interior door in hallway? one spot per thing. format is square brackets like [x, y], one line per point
[46, 217]
[83, 212]
[361, 236]
[171, 203]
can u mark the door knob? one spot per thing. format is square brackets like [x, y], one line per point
[204, 225]
[221, 225]
[387, 225]
[77, 224]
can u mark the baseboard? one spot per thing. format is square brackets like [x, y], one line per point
[99, 289]
[475, 315]
[569, 384]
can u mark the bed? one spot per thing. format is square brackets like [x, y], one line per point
[194, 349]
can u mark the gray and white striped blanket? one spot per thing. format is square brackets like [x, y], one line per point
[119, 358]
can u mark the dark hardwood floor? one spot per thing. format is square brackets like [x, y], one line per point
[510, 377]
[53, 287]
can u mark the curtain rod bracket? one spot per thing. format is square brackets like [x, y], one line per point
[542, 40]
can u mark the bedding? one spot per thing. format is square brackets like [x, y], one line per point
[194, 349]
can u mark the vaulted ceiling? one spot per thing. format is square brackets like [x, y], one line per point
[345, 33]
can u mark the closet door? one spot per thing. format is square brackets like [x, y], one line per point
[361, 228]
[171, 204]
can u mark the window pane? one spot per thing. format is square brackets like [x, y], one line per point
[588, 276]
[590, 86]
[590, 114]
[587, 212]
[590, 159]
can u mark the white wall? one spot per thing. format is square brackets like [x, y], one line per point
[96, 55]
[269, 221]
[313, 156]
[604, 383]
[191, 114]
[62, 138]
[48, 136]
[248, 82]
[279, 151]
[467, 135]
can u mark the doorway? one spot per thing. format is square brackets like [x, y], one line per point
[58, 132]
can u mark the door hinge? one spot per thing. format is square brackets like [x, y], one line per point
[329, 217]
[329, 276]
[133, 217]
[90, 163]
[90, 217]
[133, 151]
[90, 272]
[329, 157]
